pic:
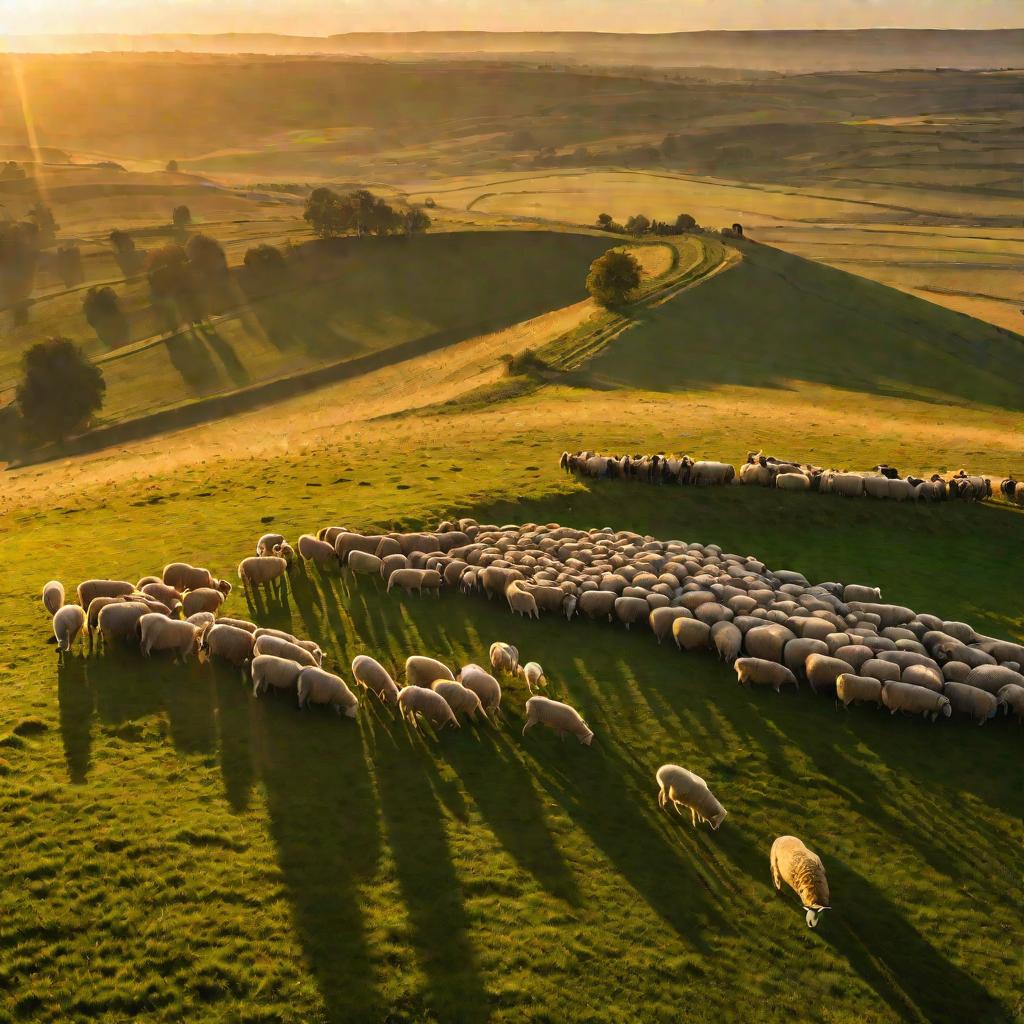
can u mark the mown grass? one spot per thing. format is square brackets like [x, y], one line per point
[177, 850]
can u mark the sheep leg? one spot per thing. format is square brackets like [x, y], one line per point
[693, 817]
[530, 723]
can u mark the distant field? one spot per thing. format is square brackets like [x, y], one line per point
[976, 270]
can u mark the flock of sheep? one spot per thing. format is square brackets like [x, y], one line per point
[774, 626]
[790, 475]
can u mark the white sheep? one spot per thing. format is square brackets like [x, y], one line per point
[120, 620]
[969, 700]
[68, 621]
[803, 871]
[205, 599]
[363, 563]
[275, 645]
[682, 788]
[89, 589]
[53, 596]
[533, 674]
[416, 702]
[315, 686]
[915, 700]
[261, 570]
[266, 544]
[267, 670]
[375, 678]
[504, 657]
[230, 642]
[484, 685]
[460, 698]
[159, 633]
[559, 717]
[520, 601]
[183, 576]
[764, 673]
[313, 550]
[424, 671]
[851, 688]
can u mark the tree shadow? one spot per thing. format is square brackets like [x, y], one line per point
[325, 824]
[191, 358]
[899, 963]
[77, 703]
[225, 352]
[414, 822]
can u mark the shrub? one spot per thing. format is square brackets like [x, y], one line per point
[613, 278]
[59, 391]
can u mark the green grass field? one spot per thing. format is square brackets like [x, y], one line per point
[179, 850]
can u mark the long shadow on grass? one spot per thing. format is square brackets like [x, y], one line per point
[324, 823]
[897, 961]
[414, 821]
[233, 722]
[77, 703]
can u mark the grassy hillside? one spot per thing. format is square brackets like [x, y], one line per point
[358, 297]
[775, 318]
[180, 850]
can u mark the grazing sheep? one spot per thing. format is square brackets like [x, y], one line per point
[90, 589]
[856, 592]
[280, 648]
[314, 550]
[120, 620]
[484, 685]
[793, 482]
[969, 700]
[423, 671]
[460, 698]
[431, 581]
[915, 700]
[631, 609]
[390, 564]
[372, 675]
[167, 596]
[993, 678]
[504, 657]
[266, 544]
[315, 686]
[822, 672]
[763, 673]
[804, 873]
[682, 788]
[159, 633]
[233, 644]
[68, 621]
[768, 642]
[146, 580]
[797, 651]
[923, 675]
[206, 599]
[521, 602]
[183, 576]
[268, 670]
[690, 634]
[851, 688]
[261, 571]
[92, 613]
[557, 716]
[306, 645]
[886, 671]
[1012, 696]
[597, 604]
[409, 580]
[533, 674]
[415, 702]
[249, 627]
[363, 562]
[53, 596]
[661, 619]
[728, 640]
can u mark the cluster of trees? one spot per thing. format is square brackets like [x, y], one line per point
[639, 225]
[179, 275]
[360, 213]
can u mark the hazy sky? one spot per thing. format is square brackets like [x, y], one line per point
[323, 17]
[327, 16]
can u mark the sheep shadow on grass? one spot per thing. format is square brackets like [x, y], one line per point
[77, 705]
[899, 963]
[324, 823]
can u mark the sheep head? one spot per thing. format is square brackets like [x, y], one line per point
[814, 914]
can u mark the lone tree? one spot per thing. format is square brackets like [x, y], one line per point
[181, 217]
[128, 257]
[265, 261]
[172, 285]
[684, 222]
[206, 256]
[60, 389]
[613, 278]
[172, 166]
[103, 312]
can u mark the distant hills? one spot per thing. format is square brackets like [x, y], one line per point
[796, 51]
